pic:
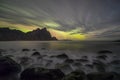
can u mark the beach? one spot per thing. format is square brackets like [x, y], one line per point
[89, 57]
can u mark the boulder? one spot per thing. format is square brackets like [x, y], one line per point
[76, 75]
[100, 66]
[105, 52]
[57, 74]
[115, 62]
[103, 57]
[102, 76]
[8, 66]
[36, 54]
[66, 68]
[9, 69]
[69, 61]
[89, 66]
[41, 74]
[25, 49]
[84, 57]
[25, 60]
[82, 60]
[63, 56]
[1, 52]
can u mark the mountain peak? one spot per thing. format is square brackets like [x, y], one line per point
[44, 29]
[38, 34]
[38, 29]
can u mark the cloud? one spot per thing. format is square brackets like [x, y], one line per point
[110, 33]
[92, 17]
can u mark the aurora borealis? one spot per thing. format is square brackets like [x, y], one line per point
[65, 19]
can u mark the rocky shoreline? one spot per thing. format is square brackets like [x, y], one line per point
[43, 65]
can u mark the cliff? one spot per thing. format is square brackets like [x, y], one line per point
[7, 34]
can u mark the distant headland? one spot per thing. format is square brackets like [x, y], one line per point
[7, 34]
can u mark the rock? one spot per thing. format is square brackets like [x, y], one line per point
[77, 64]
[104, 52]
[25, 49]
[75, 75]
[102, 76]
[82, 60]
[115, 62]
[66, 68]
[57, 74]
[40, 57]
[34, 74]
[41, 74]
[103, 57]
[84, 57]
[34, 50]
[9, 69]
[25, 60]
[1, 52]
[89, 65]
[52, 56]
[48, 63]
[36, 54]
[63, 56]
[100, 66]
[69, 61]
[10, 56]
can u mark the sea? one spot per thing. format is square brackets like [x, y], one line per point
[74, 50]
[61, 45]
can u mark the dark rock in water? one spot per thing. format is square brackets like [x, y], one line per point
[34, 50]
[104, 52]
[25, 50]
[9, 69]
[89, 65]
[102, 57]
[25, 60]
[41, 74]
[116, 62]
[102, 76]
[117, 41]
[10, 56]
[36, 54]
[53, 56]
[84, 57]
[60, 66]
[95, 62]
[1, 51]
[64, 56]
[82, 60]
[34, 74]
[48, 63]
[66, 68]
[57, 74]
[76, 75]
[100, 66]
[39, 57]
[69, 61]
[77, 64]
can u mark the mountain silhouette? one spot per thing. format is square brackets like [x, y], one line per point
[7, 34]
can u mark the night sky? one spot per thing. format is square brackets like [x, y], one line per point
[65, 19]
